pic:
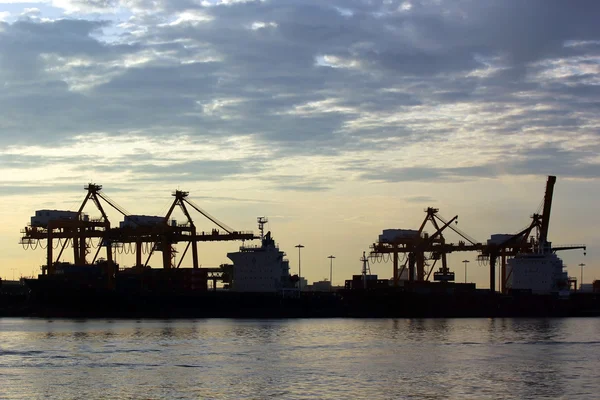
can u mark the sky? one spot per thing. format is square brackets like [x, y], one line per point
[335, 119]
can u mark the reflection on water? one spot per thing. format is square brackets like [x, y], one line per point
[287, 359]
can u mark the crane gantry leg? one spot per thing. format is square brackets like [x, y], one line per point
[396, 277]
[493, 273]
[411, 267]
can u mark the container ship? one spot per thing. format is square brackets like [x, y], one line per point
[258, 283]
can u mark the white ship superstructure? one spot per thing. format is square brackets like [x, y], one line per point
[541, 273]
[261, 268]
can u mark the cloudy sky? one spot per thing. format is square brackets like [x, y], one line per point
[336, 119]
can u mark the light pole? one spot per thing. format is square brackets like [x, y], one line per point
[300, 247]
[13, 270]
[581, 283]
[331, 272]
[466, 262]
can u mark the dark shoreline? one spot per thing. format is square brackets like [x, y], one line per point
[357, 304]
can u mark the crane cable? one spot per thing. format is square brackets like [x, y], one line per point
[540, 206]
[210, 217]
[113, 204]
[90, 243]
[455, 229]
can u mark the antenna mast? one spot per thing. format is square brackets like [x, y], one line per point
[365, 269]
[261, 226]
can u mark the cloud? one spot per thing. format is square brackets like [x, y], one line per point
[479, 86]
[22, 1]
[200, 170]
[300, 183]
[420, 199]
[86, 6]
[21, 190]
[302, 188]
[546, 160]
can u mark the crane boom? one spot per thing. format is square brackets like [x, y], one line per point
[546, 212]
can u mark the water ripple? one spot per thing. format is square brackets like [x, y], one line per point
[300, 359]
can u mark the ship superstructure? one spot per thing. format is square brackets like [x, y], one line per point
[541, 273]
[261, 268]
[534, 266]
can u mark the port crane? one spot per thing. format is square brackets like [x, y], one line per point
[79, 230]
[164, 236]
[416, 245]
[524, 241]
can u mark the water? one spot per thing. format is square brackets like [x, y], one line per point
[300, 359]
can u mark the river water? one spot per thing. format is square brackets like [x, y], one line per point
[300, 359]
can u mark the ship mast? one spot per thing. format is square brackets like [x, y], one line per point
[261, 226]
[365, 269]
